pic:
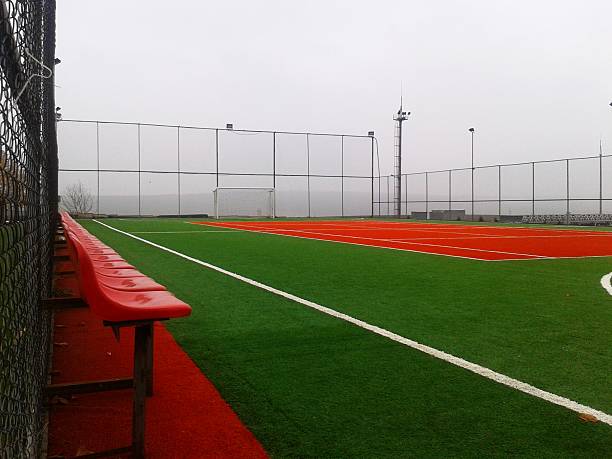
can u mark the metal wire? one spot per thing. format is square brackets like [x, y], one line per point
[353, 175]
[566, 187]
[28, 187]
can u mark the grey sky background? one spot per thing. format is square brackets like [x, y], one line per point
[533, 77]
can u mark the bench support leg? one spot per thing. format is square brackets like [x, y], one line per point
[150, 338]
[142, 339]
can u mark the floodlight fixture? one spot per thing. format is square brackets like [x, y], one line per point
[371, 133]
[229, 126]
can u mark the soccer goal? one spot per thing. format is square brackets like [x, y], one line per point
[244, 202]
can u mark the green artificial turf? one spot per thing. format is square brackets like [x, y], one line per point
[308, 384]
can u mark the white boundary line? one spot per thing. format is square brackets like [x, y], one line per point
[606, 283]
[457, 361]
[276, 233]
[354, 243]
[229, 230]
[531, 257]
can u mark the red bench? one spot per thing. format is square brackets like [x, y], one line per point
[120, 296]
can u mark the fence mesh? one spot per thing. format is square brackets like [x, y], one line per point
[147, 169]
[28, 185]
[571, 186]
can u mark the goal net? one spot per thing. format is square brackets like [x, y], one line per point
[244, 202]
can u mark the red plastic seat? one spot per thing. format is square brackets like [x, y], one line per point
[123, 306]
[130, 284]
[105, 257]
[111, 264]
[120, 272]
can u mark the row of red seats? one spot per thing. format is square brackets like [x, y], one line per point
[114, 290]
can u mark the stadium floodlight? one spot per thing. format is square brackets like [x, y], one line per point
[254, 202]
[229, 126]
[371, 133]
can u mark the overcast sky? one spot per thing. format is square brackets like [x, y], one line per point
[533, 77]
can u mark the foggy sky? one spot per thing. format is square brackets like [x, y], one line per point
[533, 77]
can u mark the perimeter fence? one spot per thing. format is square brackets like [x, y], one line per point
[581, 185]
[28, 198]
[153, 169]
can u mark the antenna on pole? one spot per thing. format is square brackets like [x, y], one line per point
[399, 118]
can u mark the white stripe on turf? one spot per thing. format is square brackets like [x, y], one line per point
[606, 283]
[182, 232]
[473, 367]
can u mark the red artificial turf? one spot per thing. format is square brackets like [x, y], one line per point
[186, 417]
[465, 241]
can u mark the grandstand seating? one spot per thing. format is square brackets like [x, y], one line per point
[120, 296]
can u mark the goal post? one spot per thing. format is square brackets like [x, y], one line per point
[244, 202]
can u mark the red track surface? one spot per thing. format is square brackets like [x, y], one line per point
[465, 241]
[186, 417]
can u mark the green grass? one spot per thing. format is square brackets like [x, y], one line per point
[311, 385]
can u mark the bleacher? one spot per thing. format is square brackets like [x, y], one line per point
[120, 296]
[571, 219]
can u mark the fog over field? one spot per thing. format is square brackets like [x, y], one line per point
[533, 78]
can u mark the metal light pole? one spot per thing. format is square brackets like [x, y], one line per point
[399, 118]
[600, 178]
[472, 133]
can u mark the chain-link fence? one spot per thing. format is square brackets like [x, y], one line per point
[503, 192]
[151, 169]
[28, 174]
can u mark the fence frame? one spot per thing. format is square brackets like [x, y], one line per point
[567, 198]
[274, 174]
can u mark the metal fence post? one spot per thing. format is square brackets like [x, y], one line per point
[472, 191]
[406, 193]
[178, 166]
[98, 166]
[372, 183]
[600, 184]
[342, 176]
[426, 195]
[139, 173]
[499, 193]
[379, 192]
[388, 198]
[217, 156]
[533, 188]
[567, 192]
[274, 160]
[450, 192]
[308, 170]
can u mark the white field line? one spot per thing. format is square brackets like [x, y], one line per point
[606, 283]
[369, 228]
[399, 226]
[506, 237]
[183, 232]
[356, 243]
[275, 231]
[457, 361]
[451, 230]
[532, 257]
